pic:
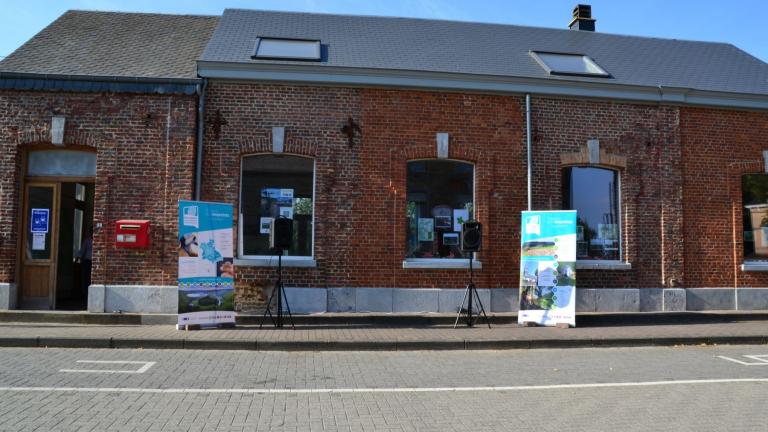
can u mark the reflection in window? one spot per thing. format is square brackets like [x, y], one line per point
[273, 186]
[754, 194]
[440, 199]
[593, 193]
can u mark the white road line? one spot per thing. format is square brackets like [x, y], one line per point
[760, 360]
[382, 390]
[141, 370]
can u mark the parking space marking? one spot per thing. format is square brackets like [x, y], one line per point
[145, 367]
[758, 360]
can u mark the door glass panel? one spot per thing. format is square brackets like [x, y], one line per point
[39, 222]
[80, 192]
[62, 163]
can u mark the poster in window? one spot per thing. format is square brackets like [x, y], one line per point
[272, 199]
[286, 212]
[451, 239]
[459, 217]
[38, 241]
[264, 225]
[39, 220]
[426, 229]
[606, 231]
[442, 215]
[442, 222]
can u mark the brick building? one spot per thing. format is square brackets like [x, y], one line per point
[377, 135]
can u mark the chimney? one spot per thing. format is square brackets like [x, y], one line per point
[582, 18]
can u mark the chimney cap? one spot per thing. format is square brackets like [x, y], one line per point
[582, 18]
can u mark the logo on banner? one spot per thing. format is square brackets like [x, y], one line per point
[533, 225]
[190, 216]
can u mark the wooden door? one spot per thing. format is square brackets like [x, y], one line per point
[39, 245]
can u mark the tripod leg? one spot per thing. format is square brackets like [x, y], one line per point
[461, 305]
[482, 309]
[268, 310]
[288, 307]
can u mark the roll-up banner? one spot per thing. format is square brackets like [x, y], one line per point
[206, 267]
[548, 268]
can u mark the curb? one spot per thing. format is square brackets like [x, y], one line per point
[383, 345]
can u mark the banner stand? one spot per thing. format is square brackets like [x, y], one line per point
[548, 269]
[206, 266]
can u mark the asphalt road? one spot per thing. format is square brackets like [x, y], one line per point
[611, 389]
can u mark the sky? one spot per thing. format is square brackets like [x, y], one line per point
[740, 22]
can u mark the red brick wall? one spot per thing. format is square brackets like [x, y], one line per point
[360, 190]
[718, 147]
[145, 164]
[651, 184]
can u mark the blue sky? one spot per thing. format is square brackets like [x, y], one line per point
[743, 23]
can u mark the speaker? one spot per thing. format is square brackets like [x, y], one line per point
[471, 236]
[281, 233]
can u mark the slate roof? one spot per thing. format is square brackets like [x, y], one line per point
[407, 44]
[115, 44]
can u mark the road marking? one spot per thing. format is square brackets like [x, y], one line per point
[145, 367]
[759, 360]
[383, 390]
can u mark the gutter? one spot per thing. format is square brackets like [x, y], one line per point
[528, 147]
[95, 83]
[367, 77]
[200, 133]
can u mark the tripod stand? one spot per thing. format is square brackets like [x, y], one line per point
[470, 294]
[277, 320]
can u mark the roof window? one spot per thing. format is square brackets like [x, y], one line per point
[287, 49]
[568, 64]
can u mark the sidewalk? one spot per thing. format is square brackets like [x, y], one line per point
[619, 330]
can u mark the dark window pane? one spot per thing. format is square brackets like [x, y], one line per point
[754, 191]
[593, 193]
[440, 198]
[39, 223]
[274, 185]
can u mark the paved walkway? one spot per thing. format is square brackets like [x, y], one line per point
[605, 330]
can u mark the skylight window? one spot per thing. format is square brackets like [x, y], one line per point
[568, 64]
[287, 49]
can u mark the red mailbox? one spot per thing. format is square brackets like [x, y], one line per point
[132, 233]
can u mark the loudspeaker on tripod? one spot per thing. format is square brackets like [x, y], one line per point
[281, 233]
[471, 236]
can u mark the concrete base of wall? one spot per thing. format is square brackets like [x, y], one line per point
[133, 298]
[7, 296]
[164, 299]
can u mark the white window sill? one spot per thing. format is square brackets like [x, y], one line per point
[602, 265]
[272, 262]
[440, 263]
[756, 266]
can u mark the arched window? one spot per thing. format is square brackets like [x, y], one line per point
[754, 194]
[440, 198]
[594, 193]
[272, 186]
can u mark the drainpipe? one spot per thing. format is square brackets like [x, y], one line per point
[200, 133]
[528, 146]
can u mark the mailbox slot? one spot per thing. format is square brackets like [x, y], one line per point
[132, 233]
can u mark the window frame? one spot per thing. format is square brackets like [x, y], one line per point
[259, 39]
[617, 264]
[443, 262]
[271, 260]
[753, 263]
[585, 57]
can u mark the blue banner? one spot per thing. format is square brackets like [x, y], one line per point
[206, 264]
[548, 267]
